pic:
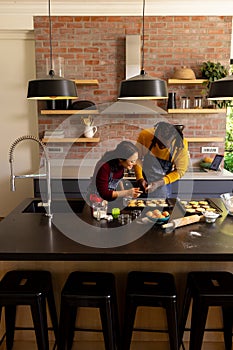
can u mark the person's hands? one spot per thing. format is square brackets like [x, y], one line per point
[153, 186]
[134, 192]
[142, 183]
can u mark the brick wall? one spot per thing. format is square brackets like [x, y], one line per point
[94, 48]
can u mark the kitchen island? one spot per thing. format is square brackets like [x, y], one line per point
[73, 236]
[32, 240]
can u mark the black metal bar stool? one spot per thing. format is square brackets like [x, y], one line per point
[34, 288]
[205, 289]
[154, 289]
[89, 289]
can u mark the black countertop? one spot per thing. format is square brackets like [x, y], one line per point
[78, 237]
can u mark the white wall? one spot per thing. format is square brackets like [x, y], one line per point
[18, 116]
[118, 7]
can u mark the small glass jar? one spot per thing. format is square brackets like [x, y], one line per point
[124, 219]
[198, 102]
[185, 102]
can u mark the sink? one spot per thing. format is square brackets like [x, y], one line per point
[57, 206]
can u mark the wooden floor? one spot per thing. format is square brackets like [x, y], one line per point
[20, 345]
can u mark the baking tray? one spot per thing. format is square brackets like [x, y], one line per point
[152, 203]
[197, 206]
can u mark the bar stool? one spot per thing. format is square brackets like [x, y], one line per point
[152, 289]
[34, 288]
[89, 289]
[205, 289]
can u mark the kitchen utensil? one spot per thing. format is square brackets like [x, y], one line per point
[183, 221]
[88, 121]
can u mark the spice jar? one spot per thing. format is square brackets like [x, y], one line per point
[198, 102]
[185, 102]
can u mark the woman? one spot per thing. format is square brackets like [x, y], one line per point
[109, 171]
[164, 159]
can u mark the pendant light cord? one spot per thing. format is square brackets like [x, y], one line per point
[51, 71]
[143, 38]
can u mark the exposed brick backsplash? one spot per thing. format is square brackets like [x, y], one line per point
[94, 48]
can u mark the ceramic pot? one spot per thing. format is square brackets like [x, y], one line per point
[90, 131]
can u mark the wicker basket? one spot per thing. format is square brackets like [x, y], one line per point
[184, 73]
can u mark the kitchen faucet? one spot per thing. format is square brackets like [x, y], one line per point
[47, 168]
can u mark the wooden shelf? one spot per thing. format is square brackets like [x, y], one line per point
[183, 81]
[205, 139]
[71, 140]
[69, 111]
[197, 110]
[86, 82]
[97, 139]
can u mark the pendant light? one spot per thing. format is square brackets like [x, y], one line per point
[52, 87]
[143, 87]
[222, 89]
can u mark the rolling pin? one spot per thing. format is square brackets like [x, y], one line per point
[183, 221]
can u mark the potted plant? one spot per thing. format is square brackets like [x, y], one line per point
[213, 71]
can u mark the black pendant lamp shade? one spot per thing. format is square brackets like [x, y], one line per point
[52, 87]
[221, 89]
[143, 87]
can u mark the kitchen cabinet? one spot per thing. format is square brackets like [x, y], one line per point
[198, 188]
[201, 188]
[70, 188]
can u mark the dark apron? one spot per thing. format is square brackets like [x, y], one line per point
[112, 186]
[155, 169]
[113, 183]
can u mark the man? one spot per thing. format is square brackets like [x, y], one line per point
[163, 159]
